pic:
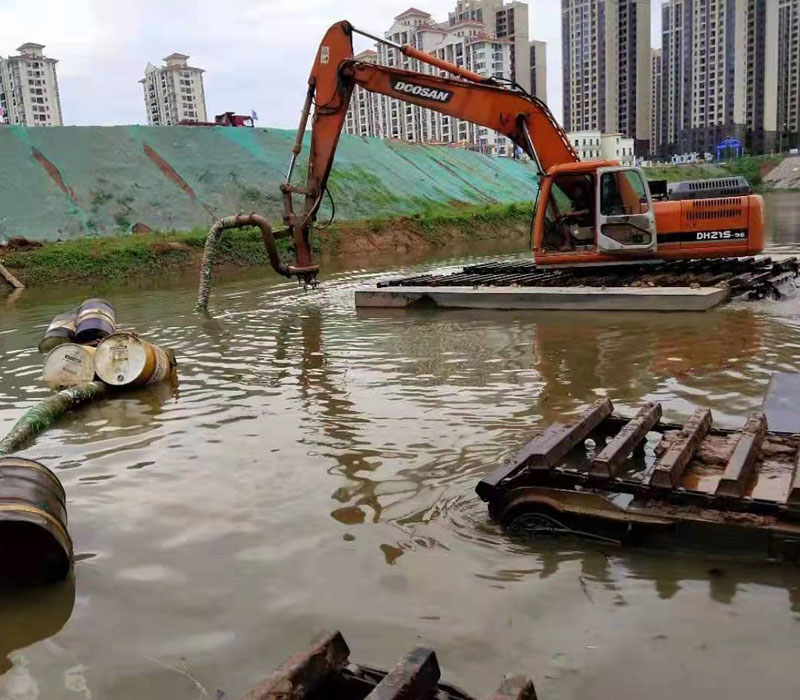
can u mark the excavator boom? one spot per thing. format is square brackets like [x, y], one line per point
[524, 119]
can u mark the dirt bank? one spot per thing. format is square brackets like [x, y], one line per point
[786, 175]
[151, 255]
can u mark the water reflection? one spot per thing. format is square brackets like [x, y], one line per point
[610, 568]
[30, 615]
[308, 437]
[631, 356]
[543, 366]
[782, 221]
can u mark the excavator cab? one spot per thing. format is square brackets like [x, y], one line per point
[593, 212]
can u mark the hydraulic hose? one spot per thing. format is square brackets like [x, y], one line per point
[212, 241]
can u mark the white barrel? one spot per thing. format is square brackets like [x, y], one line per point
[125, 359]
[68, 365]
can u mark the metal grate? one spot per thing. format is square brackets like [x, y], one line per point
[752, 277]
[706, 213]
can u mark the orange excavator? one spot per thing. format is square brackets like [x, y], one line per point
[585, 213]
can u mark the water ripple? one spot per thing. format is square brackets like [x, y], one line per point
[316, 464]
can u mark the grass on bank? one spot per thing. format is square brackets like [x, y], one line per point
[155, 254]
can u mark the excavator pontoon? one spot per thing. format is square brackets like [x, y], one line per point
[585, 213]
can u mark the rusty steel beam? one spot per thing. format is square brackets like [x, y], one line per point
[305, 671]
[739, 469]
[554, 445]
[793, 497]
[547, 449]
[416, 676]
[607, 463]
[669, 469]
[515, 688]
[488, 487]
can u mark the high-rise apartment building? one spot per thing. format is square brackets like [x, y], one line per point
[174, 92]
[607, 66]
[657, 100]
[363, 116]
[787, 117]
[726, 70]
[509, 21]
[761, 99]
[29, 88]
[539, 69]
[583, 58]
[485, 36]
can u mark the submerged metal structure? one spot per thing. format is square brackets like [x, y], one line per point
[324, 670]
[641, 481]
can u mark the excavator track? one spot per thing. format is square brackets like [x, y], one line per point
[641, 481]
[751, 278]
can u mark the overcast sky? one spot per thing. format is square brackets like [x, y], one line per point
[257, 53]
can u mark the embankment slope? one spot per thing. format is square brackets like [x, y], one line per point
[73, 182]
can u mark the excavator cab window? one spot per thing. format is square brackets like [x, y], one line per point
[570, 214]
[622, 192]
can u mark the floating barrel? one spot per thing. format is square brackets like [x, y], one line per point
[60, 330]
[96, 321]
[68, 365]
[124, 359]
[35, 546]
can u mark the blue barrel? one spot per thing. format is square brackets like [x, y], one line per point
[96, 320]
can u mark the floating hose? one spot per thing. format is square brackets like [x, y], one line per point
[212, 241]
[43, 415]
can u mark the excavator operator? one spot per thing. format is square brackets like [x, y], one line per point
[577, 225]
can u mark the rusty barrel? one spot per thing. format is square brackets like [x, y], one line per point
[60, 330]
[68, 365]
[124, 359]
[35, 546]
[96, 320]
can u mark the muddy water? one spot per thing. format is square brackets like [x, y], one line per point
[316, 469]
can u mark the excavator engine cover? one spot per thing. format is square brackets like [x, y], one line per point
[707, 189]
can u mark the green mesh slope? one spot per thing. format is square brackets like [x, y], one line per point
[61, 183]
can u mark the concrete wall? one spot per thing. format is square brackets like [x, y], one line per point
[62, 183]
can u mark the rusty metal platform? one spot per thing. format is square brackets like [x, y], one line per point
[325, 671]
[750, 278]
[645, 482]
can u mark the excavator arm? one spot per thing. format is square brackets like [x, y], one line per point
[524, 119]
